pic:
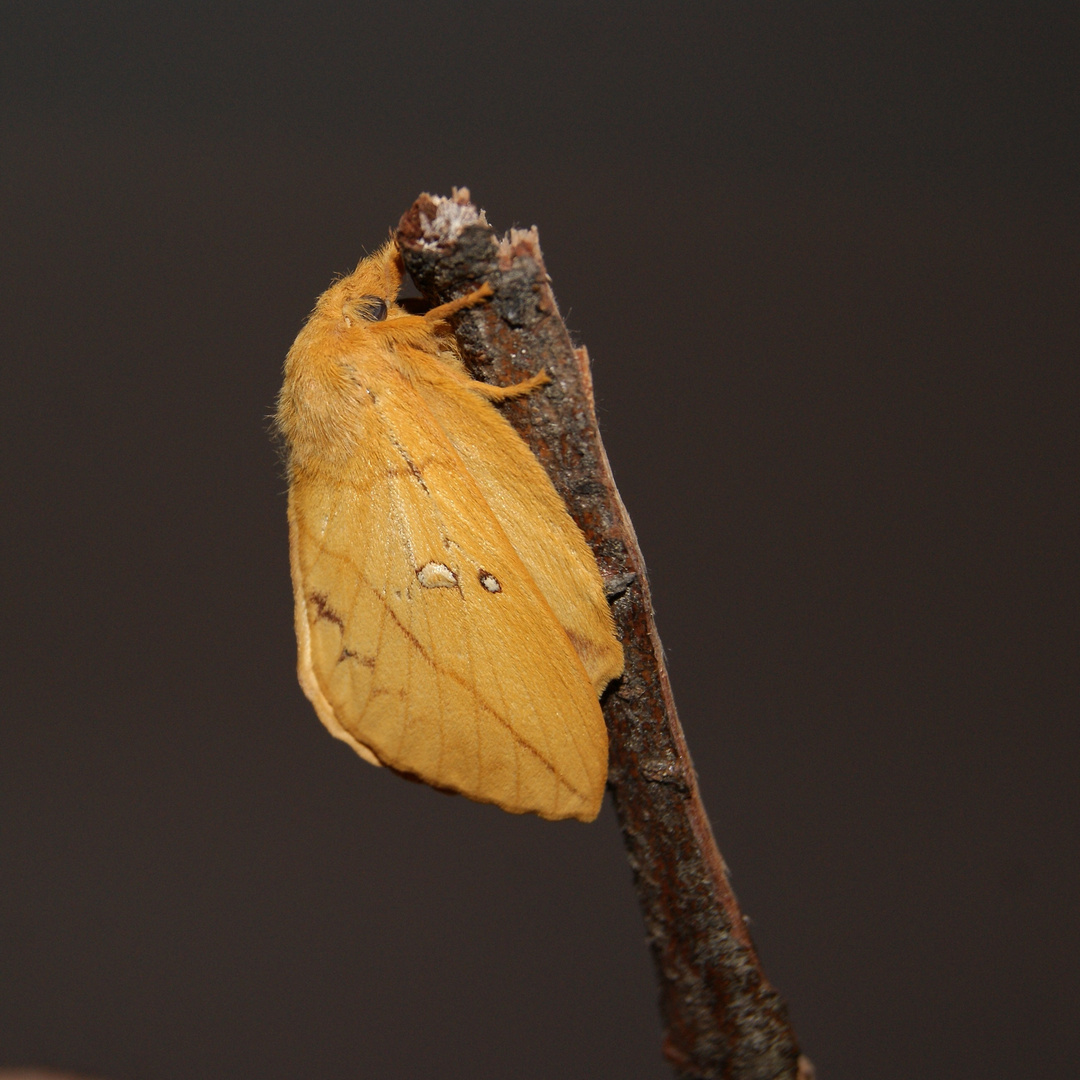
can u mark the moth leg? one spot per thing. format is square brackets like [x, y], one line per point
[443, 311]
[506, 393]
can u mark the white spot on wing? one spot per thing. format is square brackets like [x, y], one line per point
[436, 575]
[490, 582]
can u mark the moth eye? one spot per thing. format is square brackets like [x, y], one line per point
[370, 308]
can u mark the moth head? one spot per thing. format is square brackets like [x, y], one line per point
[379, 274]
[367, 294]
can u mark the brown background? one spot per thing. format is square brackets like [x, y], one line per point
[824, 257]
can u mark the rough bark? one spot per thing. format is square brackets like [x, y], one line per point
[722, 1018]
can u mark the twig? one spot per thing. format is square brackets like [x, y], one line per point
[721, 1015]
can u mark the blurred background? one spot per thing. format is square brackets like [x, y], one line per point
[824, 257]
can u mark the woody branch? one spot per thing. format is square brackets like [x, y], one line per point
[722, 1018]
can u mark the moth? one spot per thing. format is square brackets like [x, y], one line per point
[451, 621]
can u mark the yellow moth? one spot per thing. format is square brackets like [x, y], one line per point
[450, 618]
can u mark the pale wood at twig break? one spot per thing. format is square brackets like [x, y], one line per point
[722, 1018]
